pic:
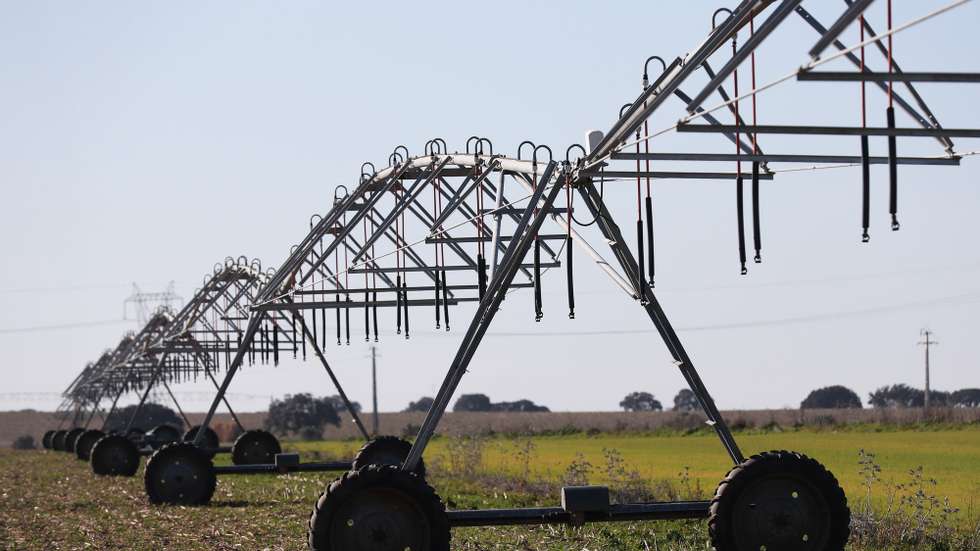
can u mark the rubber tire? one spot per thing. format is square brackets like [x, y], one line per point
[115, 455]
[373, 476]
[385, 450]
[137, 435]
[58, 440]
[71, 437]
[161, 435]
[209, 445]
[255, 447]
[721, 527]
[180, 452]
[85, 443]
[46, 439]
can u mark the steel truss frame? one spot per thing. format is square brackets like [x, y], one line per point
[579, 176]
[208, 331]
[384, 202]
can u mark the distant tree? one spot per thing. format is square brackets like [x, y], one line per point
[338, 404]
[640, 401]
[149, 416]
[24, 442]
[831, 397]
[896, 396]
[904, 396]
[472, 402]
[520, 405]
[686, 401]
[965, 398]
[301, 414]
[423, 404]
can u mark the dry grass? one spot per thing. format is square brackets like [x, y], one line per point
[16, 423]
[509, 423]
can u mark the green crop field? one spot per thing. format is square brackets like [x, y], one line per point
[50, 500]
[950, 457]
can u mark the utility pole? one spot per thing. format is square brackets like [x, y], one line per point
[374, 386]
[926, 342]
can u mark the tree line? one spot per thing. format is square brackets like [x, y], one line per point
[830, 397]
[306, 416]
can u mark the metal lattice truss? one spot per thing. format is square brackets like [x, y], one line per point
[432, 231]
[197, 341]
[111, 373]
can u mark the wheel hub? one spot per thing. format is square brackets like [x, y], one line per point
[179, 479]
[779, 513]
[381, 519]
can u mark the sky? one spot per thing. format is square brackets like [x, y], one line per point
[141, 143]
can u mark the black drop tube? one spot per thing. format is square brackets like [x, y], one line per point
[405, 302]
[481, 278]
[374, 311]
[275, 343]
[568, 271]
[398, 304]
[756, 224]
[436, 302]
[445, 298]
[892, 170]
[649, 209]
[641, 282]
[538, 313]
[865, 189]
[347, 318]
[739, 208]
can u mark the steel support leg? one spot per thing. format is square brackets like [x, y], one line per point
[485, 313]
[112, 409]
[340, 390]
[227, 404]
[187, 422]
[247, 338]
[149, 386]
[95, 408]
[613, 235]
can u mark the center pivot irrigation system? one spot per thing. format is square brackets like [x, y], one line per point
[432, 231]
[197, 341]
[109, 376]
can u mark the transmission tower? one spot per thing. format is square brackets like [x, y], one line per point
[145, 303]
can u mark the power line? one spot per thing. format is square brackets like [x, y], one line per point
[60, 288]
[956, 299]
[59, 327]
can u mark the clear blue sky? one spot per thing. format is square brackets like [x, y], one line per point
[143, 142]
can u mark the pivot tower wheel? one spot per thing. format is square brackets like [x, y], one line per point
[379, 508]
[255, 447]
[136, 434]
[85, 442]
[161, 435]
[114, 455]
[779, 501]
[179, 474]
[70, 438]
[58, 440]
[385, 450]
[209, 444]
[46, 439]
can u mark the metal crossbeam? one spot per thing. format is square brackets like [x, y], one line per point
[784, 158]
[832, 130]
[845, 76]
